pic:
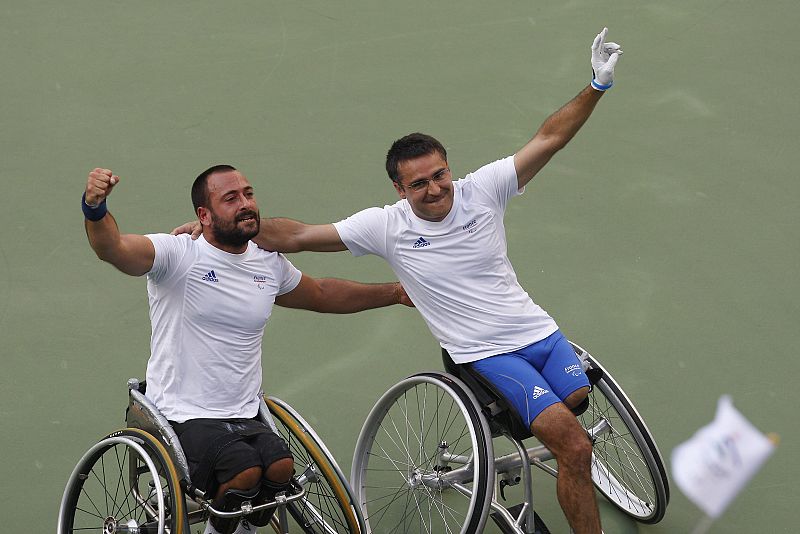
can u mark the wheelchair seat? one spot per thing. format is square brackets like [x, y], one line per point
[430, 439]
[141, 475]
[502, 417]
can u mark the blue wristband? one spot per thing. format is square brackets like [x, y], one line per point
[601, 87]
[93, 213]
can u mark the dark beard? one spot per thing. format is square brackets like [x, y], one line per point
[230, 234]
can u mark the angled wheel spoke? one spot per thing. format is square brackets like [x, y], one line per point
[409, 440]
[123, 472]
[626, 466]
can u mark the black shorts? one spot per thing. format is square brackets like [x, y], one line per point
[260, 449]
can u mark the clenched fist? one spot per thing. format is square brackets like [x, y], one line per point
[99, 186]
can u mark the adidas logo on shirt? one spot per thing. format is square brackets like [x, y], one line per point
[421, 242]
[210, 276]
[538, 392]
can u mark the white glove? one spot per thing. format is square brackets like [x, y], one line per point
[604, 58]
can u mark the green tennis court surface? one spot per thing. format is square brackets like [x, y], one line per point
[664, 238]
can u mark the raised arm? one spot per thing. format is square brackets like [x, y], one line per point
[332, 295]
[560, 127]
[130, 253]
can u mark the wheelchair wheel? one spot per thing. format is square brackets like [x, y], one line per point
[423, 460]
[627, 467]
[124, 483]
[328, 506]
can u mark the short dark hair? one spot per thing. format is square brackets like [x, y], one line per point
[200, 185]
[411, 146]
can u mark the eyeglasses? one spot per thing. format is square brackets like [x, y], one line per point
[423, 183]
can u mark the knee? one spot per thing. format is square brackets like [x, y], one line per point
[576, 451]
[560, 432]
[249, 478]
[243, 481]
[576, 398]
[280, 471]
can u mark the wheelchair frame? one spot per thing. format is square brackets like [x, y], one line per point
[149, 467]
[419, 471]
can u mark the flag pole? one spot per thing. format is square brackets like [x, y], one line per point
[703, 525]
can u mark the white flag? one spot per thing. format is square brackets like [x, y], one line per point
[716, 463]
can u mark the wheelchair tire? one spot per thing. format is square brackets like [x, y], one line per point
[627, 467]
[328, 506]
[421, 432]
[126, 480]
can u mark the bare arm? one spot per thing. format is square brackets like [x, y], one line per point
[130, 253]
[554, 134]
[284, 235]
[561, 126]
[332, 295]
[288, 235]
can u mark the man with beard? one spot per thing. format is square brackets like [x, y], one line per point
[446, 241]
[210, 300]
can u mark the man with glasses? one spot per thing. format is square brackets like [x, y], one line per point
[446, 242]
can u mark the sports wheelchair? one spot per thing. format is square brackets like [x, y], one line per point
[425, 461]
[137, 481]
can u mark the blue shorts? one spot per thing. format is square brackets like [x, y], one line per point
[535, 377]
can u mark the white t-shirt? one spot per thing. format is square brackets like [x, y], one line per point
[457, 271]
[208, 310]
